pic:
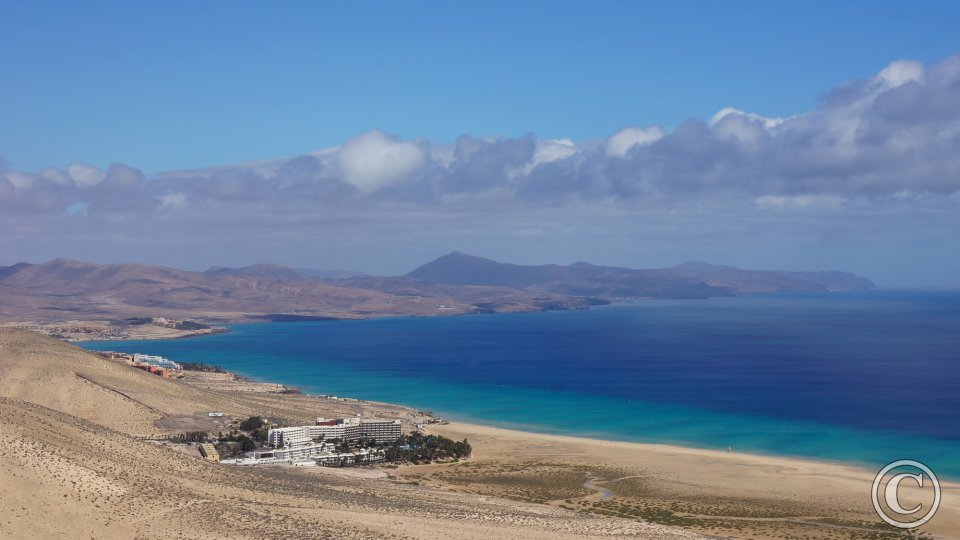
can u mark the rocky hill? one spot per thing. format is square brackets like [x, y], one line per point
[457, 283]
[688, 280]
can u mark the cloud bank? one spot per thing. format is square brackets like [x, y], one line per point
[873, 149]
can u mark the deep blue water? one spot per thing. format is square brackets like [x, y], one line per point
[862, 377]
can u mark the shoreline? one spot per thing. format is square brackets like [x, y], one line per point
[86, 461]
[543, 431]
[76, 331]
[219, 322]
[457, 426]
[702, 491]
[530, 430]
[679, 474]
[105, 328]
[454, 424]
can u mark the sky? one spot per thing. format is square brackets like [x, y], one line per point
[376, 136]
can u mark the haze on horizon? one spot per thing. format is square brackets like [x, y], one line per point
[623, 134]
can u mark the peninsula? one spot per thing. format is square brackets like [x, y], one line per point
[77, 300]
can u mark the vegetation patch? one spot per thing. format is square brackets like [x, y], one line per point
[206, 368]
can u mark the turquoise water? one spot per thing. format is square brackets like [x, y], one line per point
[865, 378]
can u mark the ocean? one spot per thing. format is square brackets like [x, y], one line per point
[866, 378]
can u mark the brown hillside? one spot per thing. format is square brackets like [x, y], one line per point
[77, 466]
[65, 290]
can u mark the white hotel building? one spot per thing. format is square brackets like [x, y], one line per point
[344, 429]
[155, 361]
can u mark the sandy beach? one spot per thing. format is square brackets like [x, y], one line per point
[730, 493]
[95, 330]
[88, 459]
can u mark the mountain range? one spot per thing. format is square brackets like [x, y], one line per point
[688, 280]
[456, 283]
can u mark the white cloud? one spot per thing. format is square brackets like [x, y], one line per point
[55, 175]
[746, 128]
[173, 200]
[122, 176]
[85, 175]
[19, 180]
[869, 147]
[901, 72]
[374, 160]
[624, 140]
[547, 151]
[799, 202]
[442, 153]
[728, 112]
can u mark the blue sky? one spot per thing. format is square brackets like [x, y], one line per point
[167, 85]
[377, 136]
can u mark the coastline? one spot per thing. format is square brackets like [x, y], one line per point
[576, 486]
[684, 472]
[73, 331]
[533, 428]
[91, 457]
[678, 473]
[809, 465]
[454, 427]
[103, 328]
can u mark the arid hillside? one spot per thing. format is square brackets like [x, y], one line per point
[112, 294]
[688, 280]
[82, 463]
[65, 290]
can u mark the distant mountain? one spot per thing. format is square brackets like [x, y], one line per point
[453, 284]
[63, 288]
[773, 280]
[329, 274]
[265, 271]
[283, 273]
[66, 290]
[10, 270]
[689, 280]
[462, 269]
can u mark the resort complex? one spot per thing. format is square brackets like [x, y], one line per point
[157, 365]
[155, 361]
[341, 429]
[327, 442]
[330, 442]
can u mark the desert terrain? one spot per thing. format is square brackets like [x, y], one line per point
[88, 458]
[84, 461]
[719, 494]
[106, 301]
